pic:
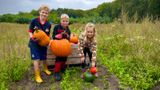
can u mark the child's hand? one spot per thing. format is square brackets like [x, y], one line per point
[50, 42]
[59, 36]
[82, 59]
[34, 39]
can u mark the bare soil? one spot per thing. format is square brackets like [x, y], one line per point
[105, 81]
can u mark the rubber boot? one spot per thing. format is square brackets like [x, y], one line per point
[38, 76]
[57, 76]
[46, 69]
[83, 71]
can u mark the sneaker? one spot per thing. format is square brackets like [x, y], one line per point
[96, 74]
[57, 76]
[83, 70]
[47, 72]
[63, 70]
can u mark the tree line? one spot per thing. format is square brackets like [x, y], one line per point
[104, 13]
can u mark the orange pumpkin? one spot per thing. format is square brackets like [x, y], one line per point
[93, 70]
[42, 37]
[74, 38]
[61, 47]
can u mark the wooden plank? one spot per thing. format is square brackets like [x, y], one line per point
[69, 61]
[73, 54]
[74, 58]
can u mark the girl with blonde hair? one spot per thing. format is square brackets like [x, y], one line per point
[87, 44]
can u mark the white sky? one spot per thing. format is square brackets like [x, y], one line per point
[14, 6]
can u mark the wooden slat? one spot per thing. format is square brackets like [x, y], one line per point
[69, 61]
[74, 58]
[73, 54]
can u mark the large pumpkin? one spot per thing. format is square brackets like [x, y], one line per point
[88, 77]
[61, 47]
[74, 38]
[42, 37]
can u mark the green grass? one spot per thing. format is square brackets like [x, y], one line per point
[14, 56]
[72, 81]
[130, 51]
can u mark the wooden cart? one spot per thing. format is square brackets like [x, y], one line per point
[72, 59]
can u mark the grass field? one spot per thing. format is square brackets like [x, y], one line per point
[131, 51]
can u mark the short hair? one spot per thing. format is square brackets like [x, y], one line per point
[64, 16]
[44, 7]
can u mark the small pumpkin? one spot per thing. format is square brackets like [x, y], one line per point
[88, 77]
[61, 47]
[74, 38]
[42, 37]
[93, 70]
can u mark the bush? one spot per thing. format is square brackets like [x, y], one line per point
[22, 20]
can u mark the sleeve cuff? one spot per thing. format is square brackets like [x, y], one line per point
[30, 30]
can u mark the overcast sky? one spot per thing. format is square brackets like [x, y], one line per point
[14, 6]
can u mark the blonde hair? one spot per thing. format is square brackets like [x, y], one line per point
[64, 16]
[90, 25]
[44, 7]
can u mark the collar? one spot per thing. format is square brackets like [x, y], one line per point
[40, 21]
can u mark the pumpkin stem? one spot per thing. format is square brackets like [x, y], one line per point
[36, 30]
[74, 34]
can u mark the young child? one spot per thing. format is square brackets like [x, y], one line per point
[61, 31]
[38, 53]
[87, 44]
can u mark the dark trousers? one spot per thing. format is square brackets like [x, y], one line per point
[60, 64]
[85, 51]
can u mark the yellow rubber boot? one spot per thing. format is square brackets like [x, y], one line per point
[38, 76]
[46, 69]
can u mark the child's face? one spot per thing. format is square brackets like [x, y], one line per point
[43, 14]
[64, 22]
[90, 32]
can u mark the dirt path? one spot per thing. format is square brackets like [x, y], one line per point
[105, 81]
[157, 87]
[28, 83]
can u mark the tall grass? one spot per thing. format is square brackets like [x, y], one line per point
[131, 51]
[14, 56]
[72, 81]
